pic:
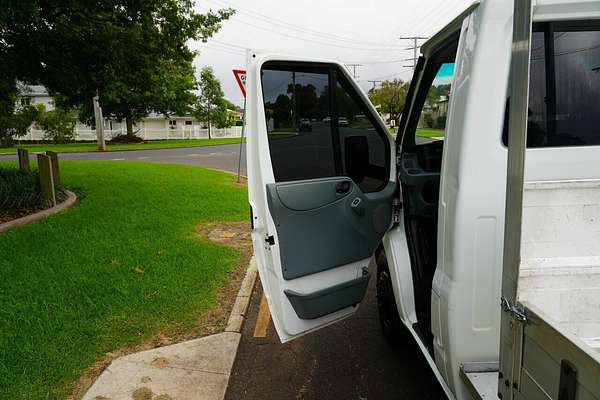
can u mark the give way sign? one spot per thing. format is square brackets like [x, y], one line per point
[240, 77]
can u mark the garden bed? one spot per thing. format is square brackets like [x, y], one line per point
[20, 194]
[10, 215]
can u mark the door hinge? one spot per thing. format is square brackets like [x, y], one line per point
[270, 240]
[517, 311]
[396, 210]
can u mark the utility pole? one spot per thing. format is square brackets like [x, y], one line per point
[415, 48]
[353, 68]
[99, 122]
[374, 82]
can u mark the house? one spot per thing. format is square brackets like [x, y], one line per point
[434, 113]
[153, 126]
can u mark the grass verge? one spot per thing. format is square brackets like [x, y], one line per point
[91, 147]
[122, 267]
[430, 133]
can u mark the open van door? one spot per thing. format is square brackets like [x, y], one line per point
[321, 183]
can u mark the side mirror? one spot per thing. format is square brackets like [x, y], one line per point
[356, 160]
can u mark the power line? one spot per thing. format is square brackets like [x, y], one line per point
[415, 48]
[298, 28]
[385, 77]
[211, 40]
[305, 39]
[374, 82]
[353, 68]
[383, 62]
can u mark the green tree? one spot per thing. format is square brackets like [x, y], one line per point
[210, 105]
[390, 97]
[134, 54]
[14, 121]
[228, 117]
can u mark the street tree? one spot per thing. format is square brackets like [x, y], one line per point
[211, 105]
[133, 54]
[390, 97]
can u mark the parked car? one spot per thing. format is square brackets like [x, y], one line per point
[343, 121]
[327, 120]
[305, 125]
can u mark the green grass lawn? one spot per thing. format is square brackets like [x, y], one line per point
[430, 132]
[154, 144]
[423, 132]
[121, 267]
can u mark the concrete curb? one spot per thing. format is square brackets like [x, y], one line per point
[242, 301]
[195, 369]
[117, 150]
[68, 203]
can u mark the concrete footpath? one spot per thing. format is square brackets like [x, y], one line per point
[196, 369]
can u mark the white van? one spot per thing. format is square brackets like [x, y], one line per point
[432, 211]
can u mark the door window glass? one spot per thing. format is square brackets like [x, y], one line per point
[315, 132]
[298, 116]
[564, 86]
[363, 150]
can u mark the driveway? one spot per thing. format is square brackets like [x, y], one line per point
[223, 157]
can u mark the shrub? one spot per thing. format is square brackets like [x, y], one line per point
[441, 122]
[19, 189]
[58, 125]
[124, 139]
[428, 121]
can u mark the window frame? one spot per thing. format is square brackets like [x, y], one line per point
[428, 67]
[334, 72]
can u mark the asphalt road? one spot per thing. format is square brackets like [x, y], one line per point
[223, 157]
[348, 360]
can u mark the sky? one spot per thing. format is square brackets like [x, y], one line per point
[349, 31]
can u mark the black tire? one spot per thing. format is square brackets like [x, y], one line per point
[392, 327]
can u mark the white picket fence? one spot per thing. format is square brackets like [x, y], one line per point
[189, 132]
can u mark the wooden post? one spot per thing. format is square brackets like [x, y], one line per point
[23, 159]
[46, 181]
[55, 169]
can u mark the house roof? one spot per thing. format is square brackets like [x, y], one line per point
[34, 90]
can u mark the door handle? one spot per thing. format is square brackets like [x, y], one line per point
[358, 206]
[343, 187]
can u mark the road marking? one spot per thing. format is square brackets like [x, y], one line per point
[117, 159]
[143, 158]
[263, 318]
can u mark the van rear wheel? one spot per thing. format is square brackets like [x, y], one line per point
[391, 326]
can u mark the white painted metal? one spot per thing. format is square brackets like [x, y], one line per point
[481, 379]
[260, 173]
[560, 266]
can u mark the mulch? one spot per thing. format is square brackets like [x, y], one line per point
[9, 215]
